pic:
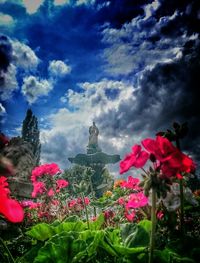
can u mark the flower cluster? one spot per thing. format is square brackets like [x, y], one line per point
[50, 169]
[9, 207]
[166, 157]
[47, 171]
[77, 204]
[170, 159]
[135, 198]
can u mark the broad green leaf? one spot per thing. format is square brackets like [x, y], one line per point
[146, 224]
[41, 231]
[71, 226]
[73, 218]
[134, 235]
[168, 256]
[98, 223]
[56, 250]
[126, 251]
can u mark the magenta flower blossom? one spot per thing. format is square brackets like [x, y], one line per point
[50, 169]
[121, 201]
[61, 183]
[136, 158]
[51, 192]
[130, 215]
[9, 207]
[38, 188]
[172, 160]
[136, 200]
[131, 183]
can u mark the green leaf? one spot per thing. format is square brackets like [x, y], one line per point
[71, 226]
[98, 223]
[146, 224]
[134, 235]
[57, 249]
[168, 256]
[41, 231]
[73, 218]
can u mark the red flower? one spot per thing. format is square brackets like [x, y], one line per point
[39, 188]
[162, 148]
[9, 207]
[50, 169]
[130, 215]
[172, 160]
[136, 200]
[61, 183]
[12, 210]
[131, 183]
[51, 192]
[136, 158]
[108, 214]
[177, 163]
[121, 201]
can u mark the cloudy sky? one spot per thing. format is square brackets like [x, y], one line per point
[133, 67]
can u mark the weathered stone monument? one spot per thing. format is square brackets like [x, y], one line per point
[96, 159]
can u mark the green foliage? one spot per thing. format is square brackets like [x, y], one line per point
[73, 242]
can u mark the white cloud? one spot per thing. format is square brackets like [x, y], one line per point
[74, 3]
[32, 5]
[6, 20]
[151, 8]
[85, 2]
[8, 82]
[72, 126]
[61, 2]
[2, 110]
[33, 88]
[24, 56]
[58, 68]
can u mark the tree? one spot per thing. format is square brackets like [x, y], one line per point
[31, 134]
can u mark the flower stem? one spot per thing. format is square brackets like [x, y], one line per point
[153, 228]
[86, 211]
[181, 207]
[181, 197]
[11, 259]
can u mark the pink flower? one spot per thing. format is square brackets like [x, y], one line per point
[72, 203]
[49, 169]
[160, 215]
[86, 200]
[136, 200]
[26, 203]
[55, 202]
[131, 183]
[51, 192]
[108, 214]
[35, 205]
[38, 188]
[61, 183]
[121, 201]
[130, 215]
[136, 158]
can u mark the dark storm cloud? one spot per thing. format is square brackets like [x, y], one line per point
[119, 12]
[167, 93]
[5, 53]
